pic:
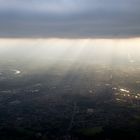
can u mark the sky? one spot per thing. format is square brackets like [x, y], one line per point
[69, 18]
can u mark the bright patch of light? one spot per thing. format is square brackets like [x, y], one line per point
[124, 90]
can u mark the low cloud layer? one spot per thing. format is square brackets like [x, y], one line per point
[70, 18]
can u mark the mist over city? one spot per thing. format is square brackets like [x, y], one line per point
[69, 88]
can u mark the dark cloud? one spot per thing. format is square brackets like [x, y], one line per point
[70, 18]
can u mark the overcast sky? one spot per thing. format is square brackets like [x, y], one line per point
[70, 18]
